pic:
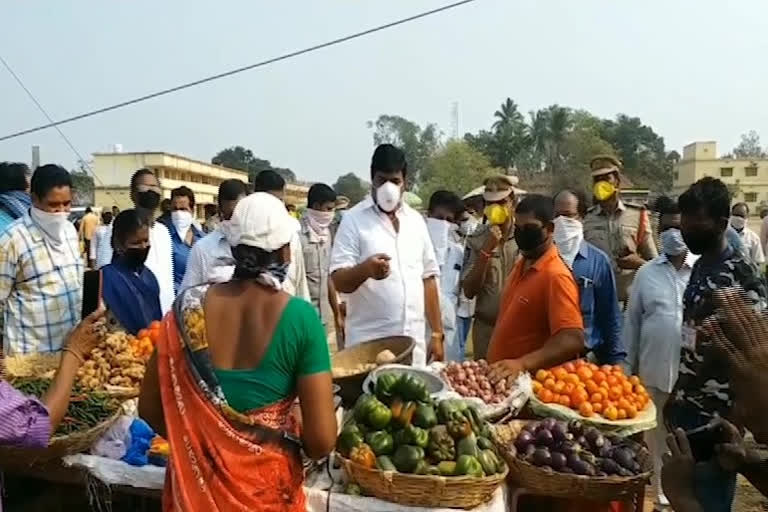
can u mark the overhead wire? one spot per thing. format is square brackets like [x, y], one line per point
[235, 71]
[55, 125]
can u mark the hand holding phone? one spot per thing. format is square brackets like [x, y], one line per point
[703, 440]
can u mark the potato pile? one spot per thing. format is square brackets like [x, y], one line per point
[112, 363]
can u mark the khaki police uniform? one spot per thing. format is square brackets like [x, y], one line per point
[627, 230]
[499, 266]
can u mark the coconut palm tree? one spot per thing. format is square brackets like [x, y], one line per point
[507, 116]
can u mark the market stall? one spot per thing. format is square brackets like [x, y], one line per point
[435, 438]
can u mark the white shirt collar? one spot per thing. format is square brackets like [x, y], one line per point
[690, 259]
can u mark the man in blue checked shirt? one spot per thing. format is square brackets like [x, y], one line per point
[41, 269]
[592, 272]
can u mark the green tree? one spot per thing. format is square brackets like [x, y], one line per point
[418, 144]
[82, 185]
[749, 147]
[351, 186]
[457, 167]
[641, 150]
[238, 157]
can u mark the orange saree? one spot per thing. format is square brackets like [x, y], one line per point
[220, 460]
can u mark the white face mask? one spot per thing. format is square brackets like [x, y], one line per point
[439, 231]
[388, 197]
[568, 235]
[672, 242]
[53, 225]
[182, 220]
[738, 223]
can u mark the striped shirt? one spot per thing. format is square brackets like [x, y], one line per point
[40, 287]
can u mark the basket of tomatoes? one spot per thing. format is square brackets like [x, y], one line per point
[601, 395]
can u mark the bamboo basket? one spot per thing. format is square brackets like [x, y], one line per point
[61, 446]
[423, 490]
[548, 482]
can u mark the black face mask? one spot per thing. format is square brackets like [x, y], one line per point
[149, 200]
[134, 257]
[701, 241]
[528, 237]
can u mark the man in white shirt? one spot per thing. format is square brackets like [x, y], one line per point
[210, 258]
[145, 194]
[750, 239]
[101, 244]
[442, 214]
[653, 326]
[383, 259]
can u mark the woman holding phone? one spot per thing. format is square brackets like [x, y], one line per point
[129, 289]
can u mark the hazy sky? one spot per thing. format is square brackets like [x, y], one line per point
[692, 69]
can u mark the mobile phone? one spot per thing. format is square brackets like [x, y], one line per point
[704, 439]
[91, 292]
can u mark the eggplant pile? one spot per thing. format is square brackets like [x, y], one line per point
[575, 449]
[400, 428]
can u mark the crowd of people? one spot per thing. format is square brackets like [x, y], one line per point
[251, 299]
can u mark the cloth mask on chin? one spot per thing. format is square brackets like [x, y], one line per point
[182, 221]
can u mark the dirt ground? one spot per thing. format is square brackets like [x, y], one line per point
[748, 499]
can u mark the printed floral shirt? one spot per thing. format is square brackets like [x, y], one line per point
[702, 387]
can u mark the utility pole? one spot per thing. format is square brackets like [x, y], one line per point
[455, 120]
[35, 157]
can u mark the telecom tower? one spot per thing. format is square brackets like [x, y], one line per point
[455, 120]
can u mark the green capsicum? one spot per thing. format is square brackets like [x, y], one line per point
[385, 386]
[411, 387]
[379, 415]
[441, 445]
[350, 437]
[447, 408]
[447, 468]
[467, 446]
[380, 442]
[458, 426]
[469, 466]
[424, 416]
[489, 461]
[417, 436]
[407, 457]
[362, 407]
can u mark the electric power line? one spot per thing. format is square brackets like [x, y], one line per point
[54, 124]
[238, 70]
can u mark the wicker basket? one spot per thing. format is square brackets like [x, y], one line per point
[548, 482]
[61, 446]
[423, 491]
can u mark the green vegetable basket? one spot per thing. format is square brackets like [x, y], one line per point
[423, 490]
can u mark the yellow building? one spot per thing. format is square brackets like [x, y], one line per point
[747, 179]
[113, 171]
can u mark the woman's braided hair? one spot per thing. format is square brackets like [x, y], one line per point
[251, 262]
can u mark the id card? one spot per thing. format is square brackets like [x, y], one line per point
[688, 338]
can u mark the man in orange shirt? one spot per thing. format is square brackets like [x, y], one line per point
[539, 323]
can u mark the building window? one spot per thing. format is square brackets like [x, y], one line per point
[726, 172]
[750, 171]
[750, 197]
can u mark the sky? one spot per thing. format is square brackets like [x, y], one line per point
[691, 69]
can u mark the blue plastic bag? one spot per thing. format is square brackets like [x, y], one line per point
[141, 438]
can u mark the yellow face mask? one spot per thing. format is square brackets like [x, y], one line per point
[496, 214]
[603, 190]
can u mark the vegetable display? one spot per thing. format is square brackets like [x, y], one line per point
[85, 411]
[384, 357]
[470, 379]
[400, 428]
[113, 362]
[591, 390]
[575, 449]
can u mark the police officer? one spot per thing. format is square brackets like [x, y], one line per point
[490, 256]
[623, 231]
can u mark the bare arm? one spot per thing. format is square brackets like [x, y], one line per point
[56, 399]
[434, 317]
[150, 401]
[473, 281]
[318, 414]
[565, 345]
[347, 280]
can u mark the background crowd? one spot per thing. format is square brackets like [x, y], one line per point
[533, 281]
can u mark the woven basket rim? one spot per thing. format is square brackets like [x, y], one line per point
[453, 479]
[94, 431]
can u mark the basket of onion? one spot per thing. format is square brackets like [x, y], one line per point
[571, 460]
[470, 380]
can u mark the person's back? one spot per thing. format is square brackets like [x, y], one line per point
[238, 354]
